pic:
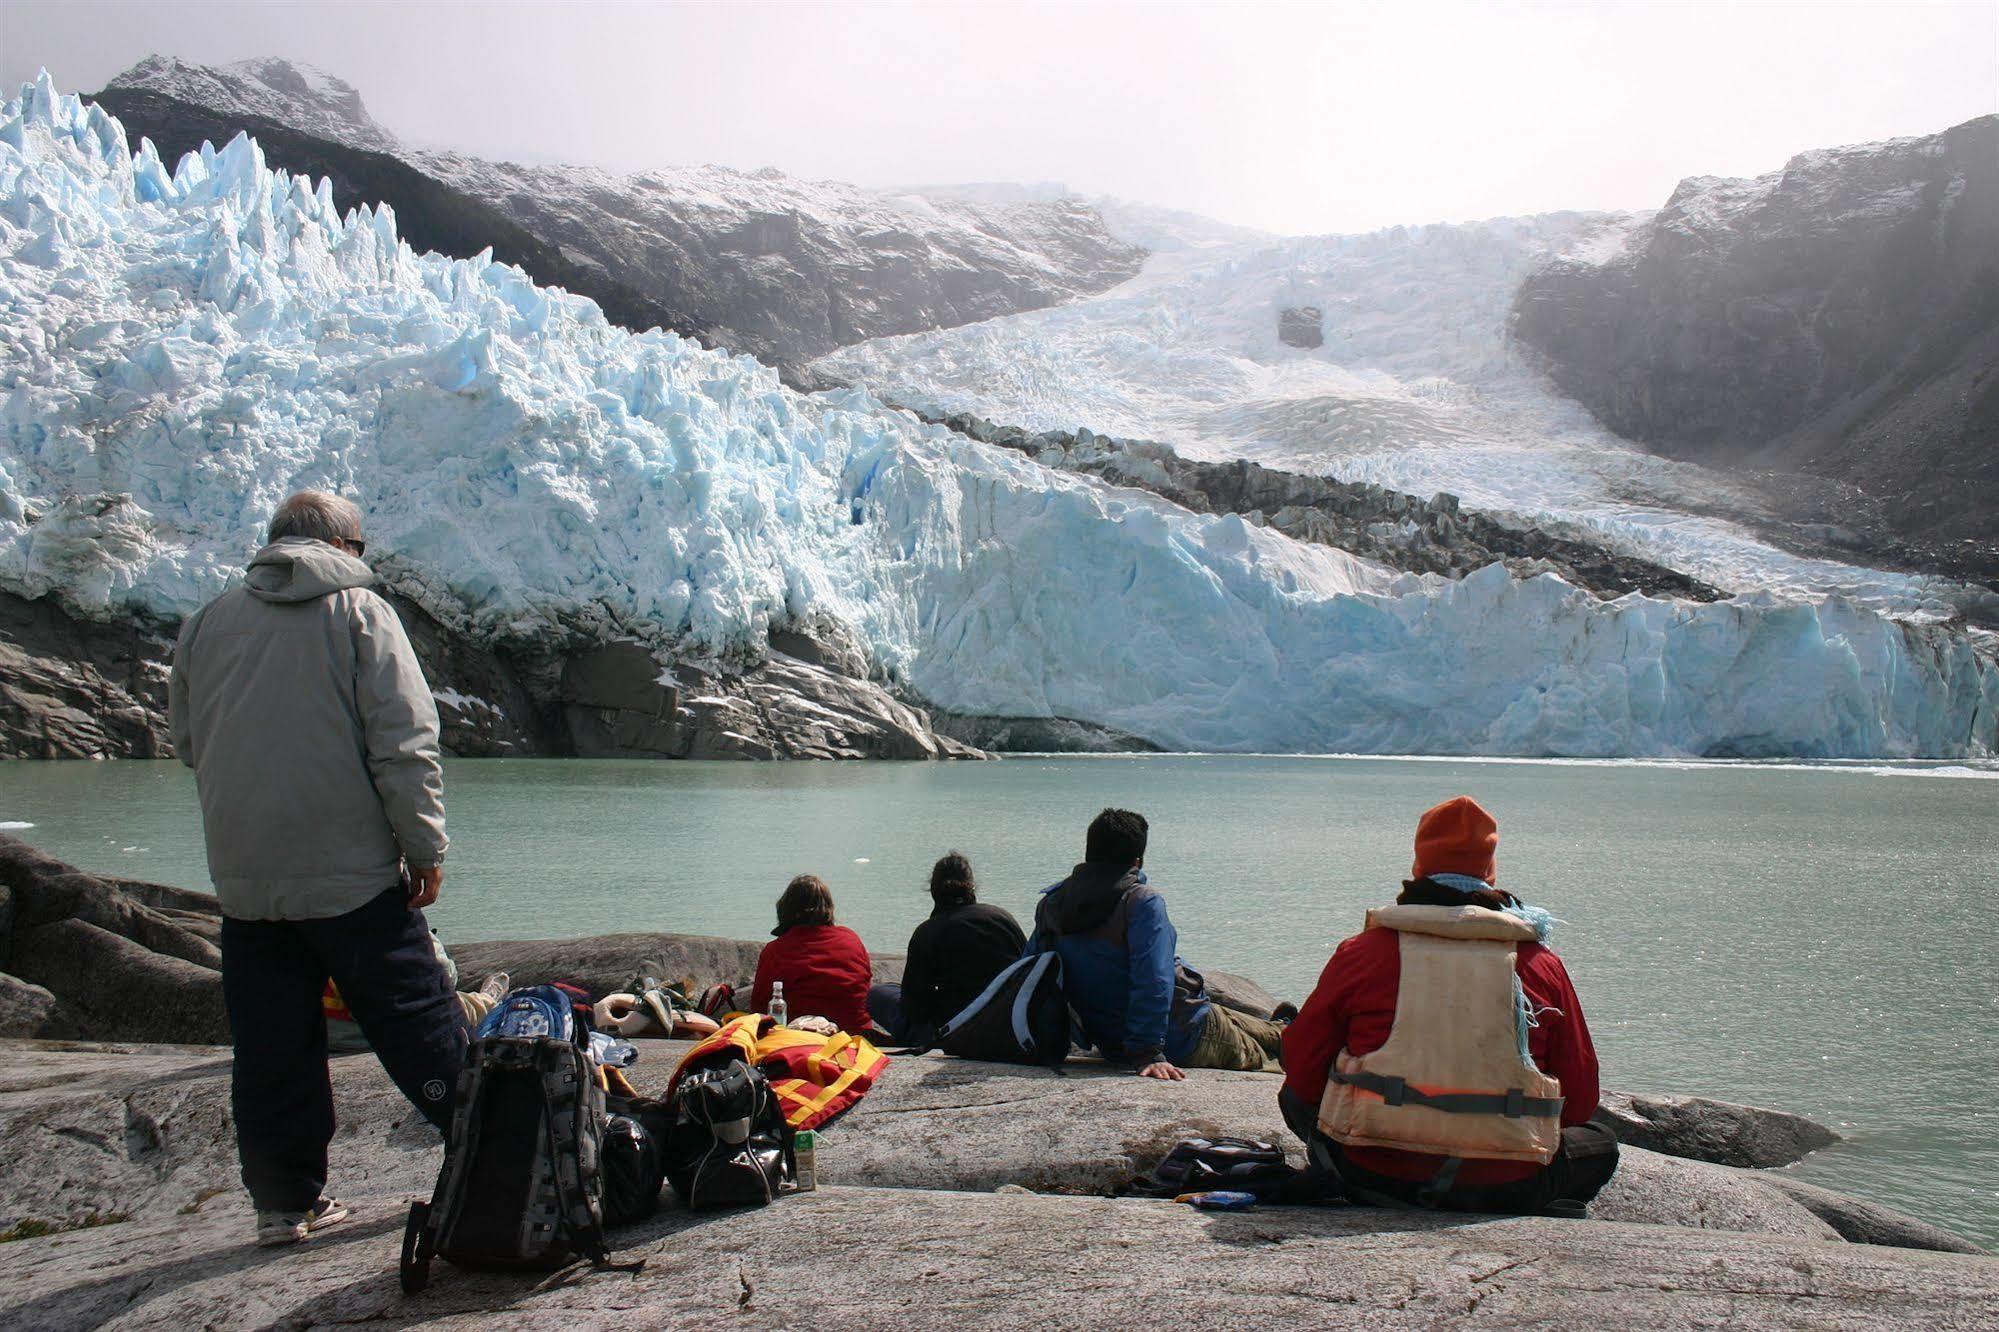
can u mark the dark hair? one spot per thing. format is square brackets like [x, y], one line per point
[951, 880]
[806, 901]
[1428, 892]
[1117, 837]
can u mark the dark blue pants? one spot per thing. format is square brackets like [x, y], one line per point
[273, 975]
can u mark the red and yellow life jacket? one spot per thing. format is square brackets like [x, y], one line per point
[816, 1078]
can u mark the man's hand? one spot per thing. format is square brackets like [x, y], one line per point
[425, 883]
[1162, 1070]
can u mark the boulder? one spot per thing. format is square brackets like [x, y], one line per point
[1707, 1130]
[1240, 993]
[921, 1259]
[606, 962]
[31, 1010]
[1864, 1222]
[1301, 326]
[116, 956]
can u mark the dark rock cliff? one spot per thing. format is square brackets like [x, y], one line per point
[78, 688]
[1839, 318]
[759, 262]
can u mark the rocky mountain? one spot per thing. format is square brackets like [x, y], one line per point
[1838, 318]
[759, 262]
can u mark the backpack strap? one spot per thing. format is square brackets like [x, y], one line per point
[590, 1243]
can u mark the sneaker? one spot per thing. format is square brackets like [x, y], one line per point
[496, 986]
[275, 1228]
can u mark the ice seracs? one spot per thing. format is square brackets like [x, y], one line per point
[178, 350]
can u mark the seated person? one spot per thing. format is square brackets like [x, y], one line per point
[1137, 1003]
[1443, 1060]
[824, 967]
[343, 1033]
[953, 956]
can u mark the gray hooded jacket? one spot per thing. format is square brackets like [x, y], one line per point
[298, 702]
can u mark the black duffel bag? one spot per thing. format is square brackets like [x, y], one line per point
[729, 1145]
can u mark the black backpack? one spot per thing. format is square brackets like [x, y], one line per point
[730, 1146]
[520, 1186]
[1022, 1017]
[1242, 1165]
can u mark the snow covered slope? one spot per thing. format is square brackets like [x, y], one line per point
[757, 261]
[179, 349]
[289, 92]
[1416, 386]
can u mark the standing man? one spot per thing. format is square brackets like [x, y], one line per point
[299, 704]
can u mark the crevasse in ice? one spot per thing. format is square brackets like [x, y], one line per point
[179, 349]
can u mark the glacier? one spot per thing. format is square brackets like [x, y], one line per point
[1417, 387]
[181, 347]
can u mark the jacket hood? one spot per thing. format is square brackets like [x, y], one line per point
[300, 569]
[1087, 897]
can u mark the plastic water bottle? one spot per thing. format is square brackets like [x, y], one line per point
[779, 1013]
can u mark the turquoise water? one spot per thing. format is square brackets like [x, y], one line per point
[1818, 939]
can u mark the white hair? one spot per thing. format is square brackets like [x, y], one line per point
[318, 516]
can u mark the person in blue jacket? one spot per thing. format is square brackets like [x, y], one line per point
[1137, 1002]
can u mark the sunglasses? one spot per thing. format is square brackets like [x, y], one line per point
[355, 544]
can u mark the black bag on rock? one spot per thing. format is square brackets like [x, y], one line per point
[634, 1161]
[1022, 1017]
[730, 1146]
[1242, 1165]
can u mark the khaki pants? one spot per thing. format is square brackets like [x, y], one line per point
[1230, 1039]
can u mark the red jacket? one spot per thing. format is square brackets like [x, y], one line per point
[1353, 1008]
[825, 971]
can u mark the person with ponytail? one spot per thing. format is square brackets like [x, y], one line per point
[1443, 1059]
[953, 956]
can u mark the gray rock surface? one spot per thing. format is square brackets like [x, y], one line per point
[620, 701]
[1708, 1130]
[145, 1130]
[1838, 318]
[920, 1259]
[74, 688]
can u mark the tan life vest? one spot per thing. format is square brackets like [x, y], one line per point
[1450, 1080]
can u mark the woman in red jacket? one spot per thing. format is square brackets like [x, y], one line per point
[1490, 1067]
[824, 967]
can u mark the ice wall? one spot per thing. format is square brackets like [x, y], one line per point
[179, 349]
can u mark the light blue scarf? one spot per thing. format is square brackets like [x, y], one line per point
[1540, 920]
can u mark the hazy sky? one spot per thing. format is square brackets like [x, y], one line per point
[1296, 118]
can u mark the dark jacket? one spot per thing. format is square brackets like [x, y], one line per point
[953, 956]
[1136, 1001]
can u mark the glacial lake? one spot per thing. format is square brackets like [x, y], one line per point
[1814, 938]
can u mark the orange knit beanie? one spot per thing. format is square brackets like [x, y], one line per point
[1456, 837]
